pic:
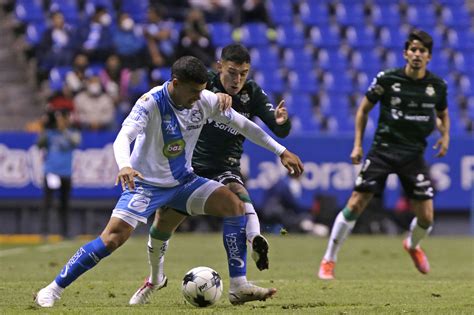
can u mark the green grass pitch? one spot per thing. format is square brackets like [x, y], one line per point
[374, 276]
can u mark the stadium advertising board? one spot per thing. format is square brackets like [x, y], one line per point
[326, 160]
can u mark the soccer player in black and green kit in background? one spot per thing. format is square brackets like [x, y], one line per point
[217, 156]
[411, 99]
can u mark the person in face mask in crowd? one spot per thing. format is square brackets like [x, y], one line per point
[96, 36]
[75, 79]
[129, 42]
[95, 109]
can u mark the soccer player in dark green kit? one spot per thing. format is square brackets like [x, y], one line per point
[217, 156]
[411, 98]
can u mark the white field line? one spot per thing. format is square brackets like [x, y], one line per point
[43, 248]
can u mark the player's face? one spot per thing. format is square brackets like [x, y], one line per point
[186, 93]
[417, 55]
[233, 76]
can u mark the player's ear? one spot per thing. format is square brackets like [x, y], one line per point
[219, 66]
[405, 56]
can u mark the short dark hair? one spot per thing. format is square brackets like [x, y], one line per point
[422, 36]
[189, 69]
[236, 53]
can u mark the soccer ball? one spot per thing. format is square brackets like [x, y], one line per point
[202, 286]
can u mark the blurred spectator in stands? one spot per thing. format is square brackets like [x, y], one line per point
[95, 109]
[96, 36]
[214, 10]
[175, 9]
[59, 141]
[75, 79]
[129, 42]
[116, 81]
[158, 38]
[281, 206]
[56, 47]
[195, 40]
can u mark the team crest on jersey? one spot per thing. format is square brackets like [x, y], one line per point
[430, 91]
[196, 116]
[174, 148]
[244, 97]
[144, 98]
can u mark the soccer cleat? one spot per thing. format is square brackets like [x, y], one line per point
[142, 296]
[418, 256]
[260, 252]
[46, 297]
[326, 270]
[249, 292]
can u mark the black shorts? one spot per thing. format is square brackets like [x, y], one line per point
[223, 177]
[410, 167]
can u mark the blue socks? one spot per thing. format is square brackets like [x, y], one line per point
[235, 243]
[84, 259]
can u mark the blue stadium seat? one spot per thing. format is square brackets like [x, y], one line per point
[314, 13]
[350, 14]
[290, 36]
[360, 36]
[265, 58]
[303, 81]
[324, 36]
[331, 59]
[137, 9]
[422, 16]
[221, 33]
[298, 58]
[68, 8]
[386, 14]
[455, 16]
[29, 11]
[57, 76]
[281, 11]
[270, 80]
[254, 34]
[34, 32]
[335, 80]
[161, 74]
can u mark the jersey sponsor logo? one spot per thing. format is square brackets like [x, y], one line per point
[417, 117]
[234, 259]
[430, 91]
[71, 261]
[244, 97]
[171, 127]
[225, 127]
[396, 87]
[174, 148]
[394, 101]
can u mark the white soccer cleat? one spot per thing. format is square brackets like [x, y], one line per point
[142, 296]
[249, 292]
[46, 297]
[260, 252]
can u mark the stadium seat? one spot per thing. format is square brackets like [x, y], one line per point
[328, 59]
[298, 58]
[221, 33]
[68, 8]
[290, 36]
[265, 58]
[314, 13]
[29, 11]
[350, 14]
[270, 80]
[254, 34]
[34, 32]
[57, 76]
[324, 36]
[386, 14]
[360, 36]
[137, 9]
[281, 11]
[303, 81]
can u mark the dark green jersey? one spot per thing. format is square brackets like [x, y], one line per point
[220, 147]
[407, 108]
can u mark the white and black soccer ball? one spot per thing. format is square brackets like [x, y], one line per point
[202, 286]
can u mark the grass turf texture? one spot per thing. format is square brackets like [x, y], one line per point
[374, 276]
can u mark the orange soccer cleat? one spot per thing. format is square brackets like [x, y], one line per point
[326, 270]
[418, 256]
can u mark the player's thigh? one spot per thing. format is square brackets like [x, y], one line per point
[374, 172]
[224, 203]
[415, 179]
